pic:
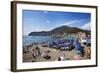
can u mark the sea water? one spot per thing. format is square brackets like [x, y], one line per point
[38, 39]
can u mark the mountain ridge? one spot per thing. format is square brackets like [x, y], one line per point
[59, 31]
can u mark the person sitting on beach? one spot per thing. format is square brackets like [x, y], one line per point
[38, 50]
[34, 53]
[59, 59]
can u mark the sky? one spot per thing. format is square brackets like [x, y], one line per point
[34, 21]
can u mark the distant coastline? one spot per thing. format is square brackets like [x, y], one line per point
[58, 31]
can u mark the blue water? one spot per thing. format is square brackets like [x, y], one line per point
[38, 39]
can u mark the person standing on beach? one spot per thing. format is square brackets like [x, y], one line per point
[78, 48]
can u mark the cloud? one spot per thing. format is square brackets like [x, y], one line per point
[78, 23]
[73, 23]
[70, 23]
[86, 26]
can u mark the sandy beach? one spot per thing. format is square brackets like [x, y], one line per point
[53, 53]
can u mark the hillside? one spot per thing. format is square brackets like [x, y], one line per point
[59, 31]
